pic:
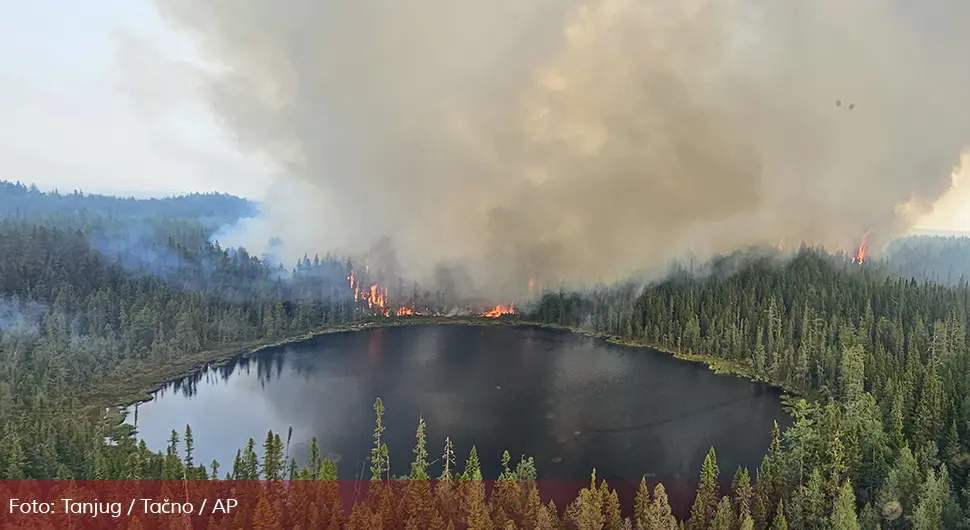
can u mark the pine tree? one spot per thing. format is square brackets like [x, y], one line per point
[662, 514]
[533, 509]
[273, 457]
[743, 492]
[473, 469]
[525, 470]
[809, 503]
[951, 443]
[249, 463]
[843, 512]
[419, 467]
[705, 504]
[929, 410]
[380, 460]
[928, 513]
[545, 521]
[868, 519]
[852, 373]
[13, 454]
[642, 512]
[897, 434]
[478, 517]
[264, 516]
[724, 518]
[779, 522]
[505, 501]
[611, 507]
[587, 510]
[189, 448]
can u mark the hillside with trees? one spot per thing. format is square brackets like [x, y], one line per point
[20, 201]
[881, 362]
[942, 259]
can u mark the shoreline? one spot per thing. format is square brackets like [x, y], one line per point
[139, 384]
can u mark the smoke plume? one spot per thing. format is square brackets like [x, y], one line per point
[584, 140]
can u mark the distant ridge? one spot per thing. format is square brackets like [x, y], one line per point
[939, 233]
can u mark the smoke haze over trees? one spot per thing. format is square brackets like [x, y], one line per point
[584, 140]
[887, 441]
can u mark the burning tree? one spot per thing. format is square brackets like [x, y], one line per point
[863, 250]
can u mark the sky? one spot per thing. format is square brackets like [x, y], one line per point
[75, 118]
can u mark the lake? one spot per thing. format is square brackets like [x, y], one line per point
[570, 401]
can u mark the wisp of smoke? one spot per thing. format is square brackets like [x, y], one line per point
[578, 139]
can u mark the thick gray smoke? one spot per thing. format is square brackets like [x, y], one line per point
[557, 139]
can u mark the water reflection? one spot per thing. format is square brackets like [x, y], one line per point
[572, 402]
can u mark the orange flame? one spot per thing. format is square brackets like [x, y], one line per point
[377, 297]
[532, 284]
[860, 255]
[500, 310]
[404, 311]
[354, 286]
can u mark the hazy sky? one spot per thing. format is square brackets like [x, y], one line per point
[73, 119]
[70, 121]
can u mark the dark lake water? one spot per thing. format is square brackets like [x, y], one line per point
[571, 402]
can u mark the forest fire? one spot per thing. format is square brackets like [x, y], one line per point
[379, 301]
[500, 310]
[354, 286]
[860, 255]
[375, 295]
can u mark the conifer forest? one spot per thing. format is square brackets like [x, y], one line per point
[101, 297]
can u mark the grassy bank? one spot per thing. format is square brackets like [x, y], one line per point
[135, 382]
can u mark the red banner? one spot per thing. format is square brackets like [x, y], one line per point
[329, 505]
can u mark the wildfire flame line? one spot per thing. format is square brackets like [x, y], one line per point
[379, 303]
[500, 310]
[860, 255]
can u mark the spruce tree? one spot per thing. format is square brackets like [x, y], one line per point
[705, 504]
[473, 469]
[273, 457]
[189, 448]
[724, 518]
[662, 514]
[844, 511]
[780, 522]
[380, 460]
[852, 373]
[642, 512]
[419, 467]
[743, 492]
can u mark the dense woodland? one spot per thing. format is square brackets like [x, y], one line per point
[18, 200]
[880, 438]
